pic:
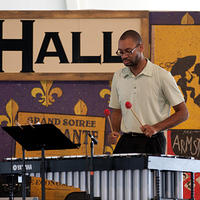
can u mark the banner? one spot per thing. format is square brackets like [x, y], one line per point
[76, 128]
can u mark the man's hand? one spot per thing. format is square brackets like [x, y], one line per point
[113, 137]
[148, 130]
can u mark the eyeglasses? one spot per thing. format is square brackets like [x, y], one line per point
[126, 51]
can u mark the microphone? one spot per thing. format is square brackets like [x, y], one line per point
[129, 106]
[107, 114]
[93, 138]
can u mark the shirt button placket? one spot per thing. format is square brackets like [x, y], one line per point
[134, 94]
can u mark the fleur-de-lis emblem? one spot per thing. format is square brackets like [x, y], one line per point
[46, 94]
[11, 109]
[103, 93]
[187, 19]
[80, 108]
[108, 149]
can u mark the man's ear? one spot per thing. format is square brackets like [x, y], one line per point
[141, 47]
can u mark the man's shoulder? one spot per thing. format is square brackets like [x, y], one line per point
[157, 68]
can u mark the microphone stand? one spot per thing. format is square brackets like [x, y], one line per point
[23, 167]
[92, 143]
[11, 179]
[23, 175]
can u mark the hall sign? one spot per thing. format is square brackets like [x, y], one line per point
[62, 45]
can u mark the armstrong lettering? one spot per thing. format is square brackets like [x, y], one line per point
[25, 45]
[186, 142]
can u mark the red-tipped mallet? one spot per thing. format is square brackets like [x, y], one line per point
[129, 106]
[107, 114]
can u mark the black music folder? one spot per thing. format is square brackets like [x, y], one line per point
[36, 137]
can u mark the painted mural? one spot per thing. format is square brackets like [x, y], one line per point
[174, 46]
[182, 60]
[174, 39]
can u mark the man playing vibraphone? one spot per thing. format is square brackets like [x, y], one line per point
[148, 91]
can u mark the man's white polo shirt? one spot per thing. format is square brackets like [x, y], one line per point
[151, 93]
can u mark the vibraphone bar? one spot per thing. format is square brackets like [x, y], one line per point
[116, 177]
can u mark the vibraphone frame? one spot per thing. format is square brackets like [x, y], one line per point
[118, 163]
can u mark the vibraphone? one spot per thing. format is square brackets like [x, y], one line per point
[116, 177]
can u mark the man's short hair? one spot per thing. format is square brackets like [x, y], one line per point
[132, 34]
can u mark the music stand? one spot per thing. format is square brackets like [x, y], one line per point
[39, 137]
